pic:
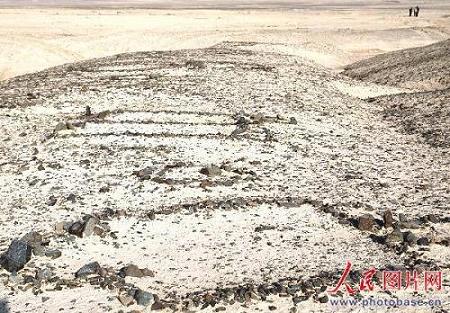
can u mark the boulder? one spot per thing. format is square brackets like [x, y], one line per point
[88, 269]
[144, 298]
[17, 255]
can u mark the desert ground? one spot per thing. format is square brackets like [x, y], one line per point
[194, 159]
[37, 38]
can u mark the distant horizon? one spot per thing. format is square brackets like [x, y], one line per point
[221, 4]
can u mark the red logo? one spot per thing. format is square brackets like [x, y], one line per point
[392, 280]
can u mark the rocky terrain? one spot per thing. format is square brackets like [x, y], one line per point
[422, 68]
[231, 178]
[424, 113]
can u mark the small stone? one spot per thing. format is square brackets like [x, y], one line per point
[395, 237]
[323, 298]
[88, 269]
[431, 218]
[145, 174]
[89, 226]
[157, 305]
[125, 299]
[60, 126]
[130, 270]
[292, 120]
[144, 298]
[17, 255]
[242, 121]
[88, 111]
[258, 118]
[388, 219]
[70, 126]
[72, 198]
[299, 299]
[402, 217]
[33, 238]
[134, 271]
[76, 229]
[366, 222]
[99, 231]
[410, 238]
[151, 215]
[212, 170]
[59, 228]
[147, 272]
[104, 189]
[272, 308]
[103, 114]
[423, 241]
[52, 201]
[54, 253]
[206, 183]
[44, 274]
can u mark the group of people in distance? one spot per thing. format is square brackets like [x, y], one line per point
[414, 10]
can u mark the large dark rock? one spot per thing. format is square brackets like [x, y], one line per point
[17, 255]
[88, 269]
[144, 298]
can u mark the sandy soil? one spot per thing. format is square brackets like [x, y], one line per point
[331, 37]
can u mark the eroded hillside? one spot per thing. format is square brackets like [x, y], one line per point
[422, 68]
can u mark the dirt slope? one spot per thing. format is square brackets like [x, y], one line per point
[423, 113]
[422, 68]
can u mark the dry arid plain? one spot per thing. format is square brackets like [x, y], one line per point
[224, 156]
